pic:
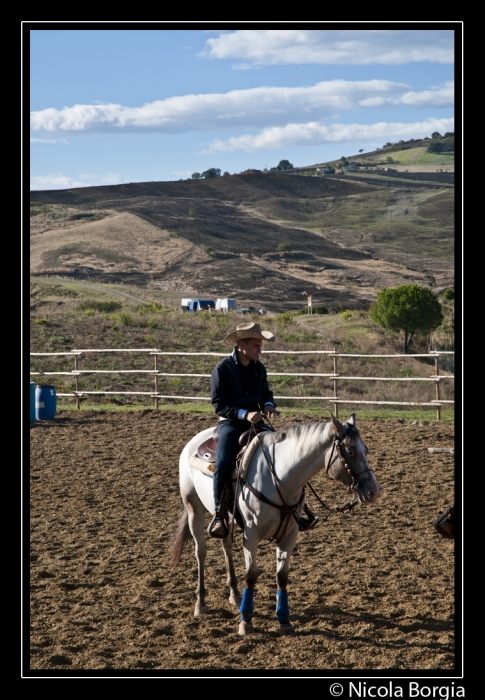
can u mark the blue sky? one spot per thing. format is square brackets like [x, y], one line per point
[118, 103]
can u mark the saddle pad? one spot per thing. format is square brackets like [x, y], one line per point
[200, 464]
[206, 468]
[247, 456]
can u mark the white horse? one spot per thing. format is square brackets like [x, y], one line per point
[270, 499]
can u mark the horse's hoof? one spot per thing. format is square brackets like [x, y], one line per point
[235, 600]
[200, 610]
[287, 630]
[246, 628]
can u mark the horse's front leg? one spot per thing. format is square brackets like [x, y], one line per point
[251, 577]
[234, 595]
[283, 554]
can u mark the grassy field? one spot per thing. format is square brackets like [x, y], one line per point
[419, 156]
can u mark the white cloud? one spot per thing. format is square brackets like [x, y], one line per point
[56, 181]
[255, 107]
[314, 133]
[259, 47]
[439, 97]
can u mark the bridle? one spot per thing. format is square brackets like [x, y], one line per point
[288, 511]
[337, 447]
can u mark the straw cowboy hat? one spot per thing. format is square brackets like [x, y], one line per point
[248, 330]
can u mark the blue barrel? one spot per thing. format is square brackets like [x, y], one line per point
[45, 401]
[32, 402]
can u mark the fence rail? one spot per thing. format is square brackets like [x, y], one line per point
[334, 376]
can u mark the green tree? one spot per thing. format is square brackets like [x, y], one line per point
[196, 176]
[436, 135]
[408, 308]
[435, 147]
[361, 150]
[212, 172]
[285, 165]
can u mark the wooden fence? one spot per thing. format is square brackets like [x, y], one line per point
[334, 377]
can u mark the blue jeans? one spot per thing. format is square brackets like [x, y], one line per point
[227, 448]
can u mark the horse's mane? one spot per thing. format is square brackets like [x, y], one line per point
[295, 431]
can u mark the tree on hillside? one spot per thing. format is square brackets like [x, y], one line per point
[435, 147]
[196, 176]
[361, 150]
[284, 165]
[212, 172]
[408, 308]
[436, 135]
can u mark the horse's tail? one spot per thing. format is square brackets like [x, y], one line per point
[180, 538]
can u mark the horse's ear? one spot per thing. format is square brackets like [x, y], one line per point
[337, 426]
[351, 419]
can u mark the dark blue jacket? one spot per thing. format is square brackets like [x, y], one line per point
[234, 387]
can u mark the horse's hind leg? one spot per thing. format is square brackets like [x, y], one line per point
[234, 595]
[196, 521]
[283, 554]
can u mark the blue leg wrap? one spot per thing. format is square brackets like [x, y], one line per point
[282, 609]
[246, 608]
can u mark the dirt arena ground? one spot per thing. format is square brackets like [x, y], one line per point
[373, 590]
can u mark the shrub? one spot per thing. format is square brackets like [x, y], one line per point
[154, 308]
[281, 247]
[123, 317]
[285, 318]
[346, 314]
[101, 306]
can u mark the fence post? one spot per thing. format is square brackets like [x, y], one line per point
[438, 396]
[156, 383]
[335, 406]
[78, 402]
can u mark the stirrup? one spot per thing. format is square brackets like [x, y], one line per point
[220, 532]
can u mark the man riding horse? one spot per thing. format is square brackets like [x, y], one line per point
[241, 398]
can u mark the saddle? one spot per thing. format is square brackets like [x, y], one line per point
[207, 449]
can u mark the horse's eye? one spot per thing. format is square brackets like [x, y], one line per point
[351, 453]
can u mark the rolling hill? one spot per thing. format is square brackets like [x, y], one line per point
[262, 238]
